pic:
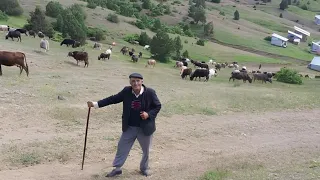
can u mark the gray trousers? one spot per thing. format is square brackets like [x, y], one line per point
[125, 144]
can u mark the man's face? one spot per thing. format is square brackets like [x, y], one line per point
[136, 83]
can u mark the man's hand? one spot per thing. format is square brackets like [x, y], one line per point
[144, 115]
[90, 104]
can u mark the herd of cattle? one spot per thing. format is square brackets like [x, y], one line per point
[202, 70]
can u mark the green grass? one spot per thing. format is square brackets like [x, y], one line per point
[303, 13]
[215, 175]
[260, 44]
[248, 58]
[15, 21]
[268, 24]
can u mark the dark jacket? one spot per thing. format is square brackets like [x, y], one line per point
[150, 104]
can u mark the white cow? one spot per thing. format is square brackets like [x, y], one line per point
[212, 72]
[4, 28]
[44, 44]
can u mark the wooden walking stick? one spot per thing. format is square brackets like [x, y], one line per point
[85, 139]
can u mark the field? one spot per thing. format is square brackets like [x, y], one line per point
[210, 126]
[205, 130]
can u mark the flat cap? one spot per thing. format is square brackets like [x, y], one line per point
[136, 75]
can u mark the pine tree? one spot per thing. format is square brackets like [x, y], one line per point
[161, 46]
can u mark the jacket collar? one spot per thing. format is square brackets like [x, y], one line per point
[143, 89]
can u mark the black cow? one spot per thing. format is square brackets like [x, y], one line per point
[240, 75]
[22, 31]
[103, 56]
[140, 54]
[70, 42]
[14, 34]
[263, 77]
[185, 63]
[200, 73]
[218, 66]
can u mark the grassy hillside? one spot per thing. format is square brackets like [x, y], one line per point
[249, 31]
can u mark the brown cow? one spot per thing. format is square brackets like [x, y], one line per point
[8, 58]
[80, 56]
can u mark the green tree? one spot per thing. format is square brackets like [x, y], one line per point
[11, 7]
[74, 27]
[177, 46]
[53, 9]
[146, 4]
[208, 29]
[3, 16]
[236, 15]
[38, 22]
[185, 54]
[161, 46]
[200, 15]
[200, 3]
[59, 25]
[157, 25]
[283, 5]
[144, 39]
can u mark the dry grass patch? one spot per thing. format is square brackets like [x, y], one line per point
[39, 152]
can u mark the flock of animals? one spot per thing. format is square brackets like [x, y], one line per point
[202, 69]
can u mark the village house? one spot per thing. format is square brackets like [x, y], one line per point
[302, 32]
[278, 40]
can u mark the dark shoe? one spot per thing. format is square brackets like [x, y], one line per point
[114, 173]
[145, 173]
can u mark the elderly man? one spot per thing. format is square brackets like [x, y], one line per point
[140, 108]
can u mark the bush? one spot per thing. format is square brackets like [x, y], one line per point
[113, 18]
[304, 7]
[268, 38]
[288, 76]
[185, 54]
[144, 39]
[53, 9]
[281, 16]
[11, 7]
[131, 37]
[99, 34]
[200, 42]
[215, 1]
[3, 16]
[222, 13]
[91, 4]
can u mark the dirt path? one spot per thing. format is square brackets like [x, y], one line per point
[186, 146]
[262, 53]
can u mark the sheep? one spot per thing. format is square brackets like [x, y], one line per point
[151, 62]
[212, 72]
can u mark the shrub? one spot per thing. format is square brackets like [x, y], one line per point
[3, 16]
[185, 54]
[268, 38]
[144, 39]
[113, 18]
[281, 15]
[99, 34]
[222, 13]
[131, 37]
[215, 1]
[91, 4]
[53, 9]
[288, 76]
[200, 42]
[304, 7]
[11, 7]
